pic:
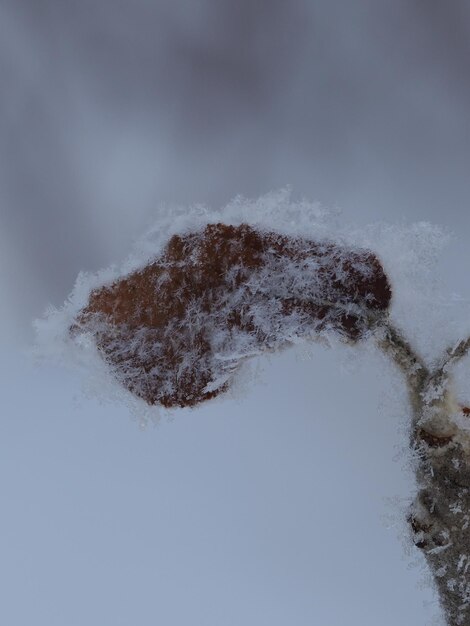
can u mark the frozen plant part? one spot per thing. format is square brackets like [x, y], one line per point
[174, 331]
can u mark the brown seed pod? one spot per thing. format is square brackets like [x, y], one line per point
[174, 331]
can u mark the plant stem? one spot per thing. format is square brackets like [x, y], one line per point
[440, 515]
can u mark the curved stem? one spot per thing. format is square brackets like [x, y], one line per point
[393, 343]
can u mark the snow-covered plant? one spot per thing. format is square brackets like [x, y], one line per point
[209, 290]
[175, 331]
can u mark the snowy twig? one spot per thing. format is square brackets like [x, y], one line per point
[455, 354]
[391, 341]
[439, 380]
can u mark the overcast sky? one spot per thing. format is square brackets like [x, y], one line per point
[267, 510]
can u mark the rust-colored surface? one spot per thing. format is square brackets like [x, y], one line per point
[433, 441]
[172, 330]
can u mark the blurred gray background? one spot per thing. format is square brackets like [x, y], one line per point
[108, 110]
